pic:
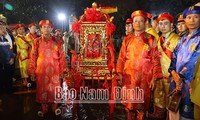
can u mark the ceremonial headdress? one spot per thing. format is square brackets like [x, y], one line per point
[32, 24]
[57, 30]
[191, 10]
[180, 18]
[167, 16]
[139, 13]
[20, 25]
[46, 22]
[129, 20]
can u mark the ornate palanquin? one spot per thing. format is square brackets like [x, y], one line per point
[93, 57]
[96, 51]
[94, 54]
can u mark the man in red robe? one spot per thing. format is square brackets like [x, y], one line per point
[47, 65]
[129, 26]
[32, 31]
[138, 66]
[58, 35]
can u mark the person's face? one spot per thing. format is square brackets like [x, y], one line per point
[21, 31]
[39, 33]
[165, 26]
[181, 26]
[46, 29]
[2, 30]
[139, 24]
[154, 24]
[192, 21]
[32, 29]
[129, 28]
[57, 33]
[14, 33]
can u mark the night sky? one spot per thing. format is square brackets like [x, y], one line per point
[27, 11]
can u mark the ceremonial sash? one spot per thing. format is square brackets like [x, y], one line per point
[20, 57]
[167, 52]
[25, 40]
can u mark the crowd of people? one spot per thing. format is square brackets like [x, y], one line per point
[40, 58]
[153, 56]
[156, 57]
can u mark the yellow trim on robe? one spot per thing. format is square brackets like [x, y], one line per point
[170, 44]
[152, 32]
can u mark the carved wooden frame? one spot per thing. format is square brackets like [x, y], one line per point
[93, 67]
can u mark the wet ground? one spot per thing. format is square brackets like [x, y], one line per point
[21, 105]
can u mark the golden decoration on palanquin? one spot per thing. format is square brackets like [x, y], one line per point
[94, 4]
[93, 54]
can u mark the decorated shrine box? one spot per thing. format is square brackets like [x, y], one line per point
[93, 61]
[94, 42]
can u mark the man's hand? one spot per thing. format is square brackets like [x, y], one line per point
[152, 84]
[11, 61]
[32, 78]
[177, 80]
[179, 86]
[176, 76]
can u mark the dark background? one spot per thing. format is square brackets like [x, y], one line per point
[27, 11]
